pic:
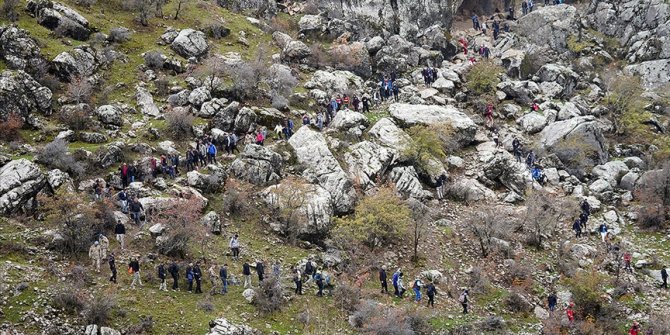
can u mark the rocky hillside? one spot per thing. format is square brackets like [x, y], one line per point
[521, 165]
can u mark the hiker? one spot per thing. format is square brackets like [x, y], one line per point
[260, 139]
[319, 120]
[463, 299]
[173, 269]
[112, 267]
[511, 13]
[211, 153]
[417, 289]
[356, 102]
[464, 45]
[276, 269]
[213, 277]
[134, 267]
[570, 312]
[664, 277]
[123, 201]
[586, 207]
[439, 186]
[396, 91]
[197, 275]
[506, 27]
[234, 245]
[577, 227]
[260, 270]
[534, 107]
[488, 113]
[530, 159]
[366, 104]
[136, 209]
[189, 277]
[524, 7]
[475, 22]
[161, 276]
[382, 279]
[487, 52]
[401, 286]
[430, 292]
[516, 149]
[345, 101]
[246, 272]
[297, 279]
[552, 301]
[95, 254]
[124, 175]
[223, 274]
[394, 281]
[538, 175]
[310, 270]
[603, 231]
[328, 283]
[583, 218]
[635, 329]
[104, 246]
[484, 26]
[627, 259]
[495, 138]
[319, 283]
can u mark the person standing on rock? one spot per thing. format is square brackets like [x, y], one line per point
[197, 275]
[310, 270]
[577, 227]
[246, 272]
[223, 274]
[552, 301]
[430, 292]
[464, 300]
[134, 266]
[112, 267]
[586, 208]
[173, 269]
[95, 254]
[297, 279]
[162, 276]
[382, 279]
[516, 149]
[603, 231]
[234, 245]
[583, 219]
[664, 277]
[124, 174]
[136, 210]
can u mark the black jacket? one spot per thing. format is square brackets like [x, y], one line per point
[577, 225]
[119, 228]
[664, 273]
[135, 265]
[430, 290]
[161, 271]
[246, 270]
[197, 274]
[136, 206]
[223, 273]
[382, 275]
[174, 270]
[260, 268]
[309, 268]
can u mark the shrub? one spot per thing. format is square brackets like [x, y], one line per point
[79, 276]
[577, 156]
[424, 148]
[654, 193]
[79, 90]
[206, 304]
[154, 60]
[478, 282]
[586, 292]
[55, 155]
[144, 326]
[234, 198]
[378, 219]
[545, 214]
[245, 78]
[69, 300]
[623, 97]
[75, 117]
[279, 102]
[515, 303]
[346, 297]
[351, 57]
[483, 77]
[281, 80]
[180, 231]
[8, 10]
[487, 225]
[98, 311]
[10, 127]
[179, 123]
[76, 221]
[373, 318]
[162, 86]
[269, 295]
[119, 35]
[216, 30]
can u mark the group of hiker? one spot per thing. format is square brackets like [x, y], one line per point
[417, 286]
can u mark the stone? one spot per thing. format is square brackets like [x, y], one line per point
[469, 190]
[335, 82]
[600, 186]
[541, 313]
[314, 210]
[212, 107]
[532, 122]
[179, 99]
[501, 166]
[611, 171]
[212, 220]
[244, 120]
[94, 138]
[199, 96]
[367, 162]
[258, 165]
[628, 181]
[409, 115]
[80, 62]
[406, 182]
[56, 16]
[388, 134]
[310, 24]
[190, 43]
[146, 102]
[282, 39]
[18, 49]
[564, 77]
[20, 181]
[203, 181]
[249, 295]
[433, 275]
[582, 251]
[654, 74]
[635, 162]
[168, 147]
[312, 151]
[224, 327]
[21, 94]
[374, 44]
[110, 114]
[57, 179]
[225, 119]
[295, 51]
[157, 229]
[584, 130]
[549, 26]
[350, 121]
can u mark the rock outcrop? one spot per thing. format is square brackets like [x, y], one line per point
[21, 94]
[20, 180]
[225, 327]
[411, 115]
[310, 205]
[58, 17]
[367, 162]
[190, 43]
[583, 130]
[258, 165]
[18, 49]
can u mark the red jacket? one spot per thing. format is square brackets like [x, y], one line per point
[571, 314]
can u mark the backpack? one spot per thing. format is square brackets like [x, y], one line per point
[461, 299]
[431, 290]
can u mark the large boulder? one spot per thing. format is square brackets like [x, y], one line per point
[611, 171]
[501, 166]
[469, 190]
[654, 73]
[367, 162]
[406, 181]
[258, 165]
[583, 130]
[58, 17]
[388, 134]
[312, 151]
[549, 26]
[311, 206]
[110, 114]
[212, 107]
[78, 62]
[190, 43]
[18, 49]
[350, 121]
[224, 327]
[409, 115]
[310, 24]
[335, 82]
[532, 122]
[295, 51]
[225, 118]
[563, 76]
[21, 94]
[20, 180]
[146, 102]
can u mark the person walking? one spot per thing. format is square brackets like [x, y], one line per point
[627, 260]
[552, 301]
[664, 278]
[401, 286]
[112, 267]
[394, 281]
[123, 201]
[310, 270]
[489, 115]
[120, 231]
[430, 292]
[189, 277]
[463, 299]
[197, 275]
[134, 266]
[95, 254]
[276, 269]
[382, 279]
[174, 272]
[570, 312]
[246, 272]
[234, 245]
[439, 186]
[213, 277]
[417, 289]
[260, 270]
[162, 276]
[104, 246]
[297, 279]
[577, 227]
[635, 329]
[319, 283]
[603, 231]
[136, 209]
[223, 274]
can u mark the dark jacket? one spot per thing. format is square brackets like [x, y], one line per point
[112, 263]
[123, 195]
[223, 273]
[309, 268]
[552, 300]
[174, 270]
[161, 271]
[382, 275]
[430, 290]
[246, 269]
[136, 206]
[664, 273]
[119, 228]
[135, 265]
[577, 226]
[197, 274]
[260, 268]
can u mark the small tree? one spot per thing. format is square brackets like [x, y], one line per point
[159, 7]
[425, 146]
[75, 220]
[79, 90]
[623, 96]
[269, 295]
[181, 5]
[483, 77]
[654, 193]
[179, 123]
[181, 222]
[291, 197]
[545, 213]
[420, 218]
[486, 225]
[378, 219]
[9, 10]
[10, 127]
[143, 9]
[211, 71]
[56, 155]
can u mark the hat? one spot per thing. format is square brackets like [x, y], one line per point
[96, 242]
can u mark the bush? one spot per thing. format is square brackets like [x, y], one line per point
[515, 303]
[55, 155]
[346, 297]
[269, 295]
[98, 311]
[279, 102]
[77, 222]
[205, 304]
[487, 226]
[281, 80]
[10, 127]
[654, 193]
[180, 231]
[144, 326]
[154, 60]
[586, 288]
[79, 90]
[545, 214]
[373, 318]
[119, 35]
[9, 10]
[216, 30]
[577, 157]
[623, 97]
[179, 123]
[483, 77]
[351, 57]
[162, 86]
[75, 117]
[424, 148]
[69, 300]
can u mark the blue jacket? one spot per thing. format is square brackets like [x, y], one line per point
[396, 275]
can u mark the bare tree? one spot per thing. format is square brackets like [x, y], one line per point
[421, 216]
[79, 90]
[143, 9]
[290, 197]
[181, 5]
[544, 214]
[211, 72]
[487, 225]
[180, 221]
[159, 7]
